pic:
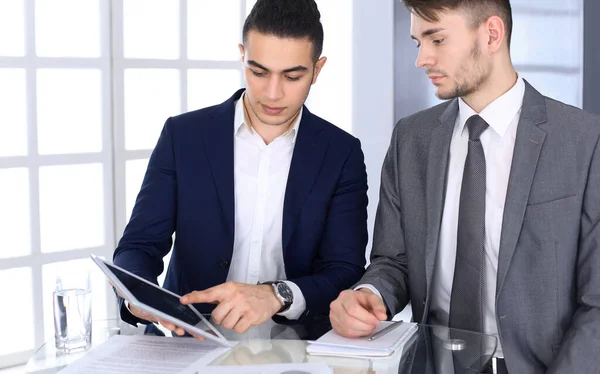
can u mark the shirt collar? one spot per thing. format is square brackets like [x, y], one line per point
[499, 113]
[242, 123]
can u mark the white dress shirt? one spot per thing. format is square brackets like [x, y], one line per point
[498, 143]
[260, 179]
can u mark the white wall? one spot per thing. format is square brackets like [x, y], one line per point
[373, 88]
[373, 93]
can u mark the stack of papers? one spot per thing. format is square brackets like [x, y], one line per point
[332, 344]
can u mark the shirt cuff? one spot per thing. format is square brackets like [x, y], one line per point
[299, 304]
[370, 287]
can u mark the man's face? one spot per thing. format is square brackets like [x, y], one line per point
[451, 52]
[278, 74]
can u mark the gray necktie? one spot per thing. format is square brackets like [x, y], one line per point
[466, 302]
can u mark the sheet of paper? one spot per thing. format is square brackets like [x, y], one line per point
[146, 354]
[303, 368]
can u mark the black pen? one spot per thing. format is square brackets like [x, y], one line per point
[387, 329]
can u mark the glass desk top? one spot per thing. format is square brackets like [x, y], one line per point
[433, 349]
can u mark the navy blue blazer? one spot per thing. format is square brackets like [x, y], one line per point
[188, 190]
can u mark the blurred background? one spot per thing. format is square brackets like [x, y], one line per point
[86, 85]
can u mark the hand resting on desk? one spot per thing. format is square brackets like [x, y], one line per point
[356, 313]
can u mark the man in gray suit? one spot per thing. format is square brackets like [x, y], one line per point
[489, 211]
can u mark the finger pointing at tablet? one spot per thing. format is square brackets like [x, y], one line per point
[240, 306]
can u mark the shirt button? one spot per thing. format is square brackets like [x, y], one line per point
[224, 264]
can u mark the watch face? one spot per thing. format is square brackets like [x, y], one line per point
[285, 291]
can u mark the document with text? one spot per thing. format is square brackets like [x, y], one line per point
[147, 354]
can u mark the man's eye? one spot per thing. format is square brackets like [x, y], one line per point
[438, 41]
[293, 79]
[258, 73]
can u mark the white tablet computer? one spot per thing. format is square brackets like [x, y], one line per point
[158, 301]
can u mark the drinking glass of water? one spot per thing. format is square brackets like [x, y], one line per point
[73, 311]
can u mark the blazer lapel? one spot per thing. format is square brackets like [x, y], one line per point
[309, 152]
[218, 143]
[528, 145]
[437, 165]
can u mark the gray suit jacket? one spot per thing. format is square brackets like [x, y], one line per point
[548, 291]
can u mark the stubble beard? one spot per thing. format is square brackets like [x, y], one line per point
[472, 79]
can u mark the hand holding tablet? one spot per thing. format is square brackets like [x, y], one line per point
[149, 317]
[158, 302]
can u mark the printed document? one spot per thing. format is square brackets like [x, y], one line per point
[133, 354]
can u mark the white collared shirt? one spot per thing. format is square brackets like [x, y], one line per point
[498, 143]
[260, 179]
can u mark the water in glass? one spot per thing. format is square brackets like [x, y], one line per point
[72, 317]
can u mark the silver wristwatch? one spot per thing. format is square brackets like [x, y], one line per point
[284, 293]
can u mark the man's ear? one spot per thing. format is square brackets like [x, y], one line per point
[242, 52]
[318, 66]
[496, 33]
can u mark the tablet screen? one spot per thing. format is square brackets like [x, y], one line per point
[155, 297]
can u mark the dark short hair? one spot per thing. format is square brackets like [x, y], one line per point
[478, 10]
[295, 19]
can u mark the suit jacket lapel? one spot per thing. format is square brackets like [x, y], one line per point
[528, 145]
[218, 143]
[437, 164]
[309, 152]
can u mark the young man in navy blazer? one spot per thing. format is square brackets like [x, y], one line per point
[267, 201]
